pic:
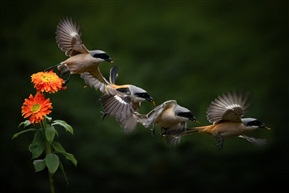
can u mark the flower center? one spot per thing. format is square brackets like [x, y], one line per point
[46, 78]
[35, 108]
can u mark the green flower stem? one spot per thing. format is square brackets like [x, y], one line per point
[48, 150]
[51, 182]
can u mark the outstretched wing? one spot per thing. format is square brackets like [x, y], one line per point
[120, 107]
[68, 38]
[254, 141]
[97, 81]
[94, 82]
[228, 107]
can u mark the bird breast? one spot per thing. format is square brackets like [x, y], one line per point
[81, 63]
[228, 129]
[168, 119]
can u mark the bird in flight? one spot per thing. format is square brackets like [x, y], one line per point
[170, 117]
[119, 101]
[226, 115]
[68, 39]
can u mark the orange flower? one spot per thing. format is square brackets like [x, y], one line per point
[36, 108]
[47, 82]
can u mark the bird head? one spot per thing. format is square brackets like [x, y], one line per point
[140, 94]
[100, 56]
[184, 113]
[145, 96]
[254, 123]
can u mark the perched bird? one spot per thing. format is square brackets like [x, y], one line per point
[170, 117]
[226, 112]
[80, 58]
[119, 101]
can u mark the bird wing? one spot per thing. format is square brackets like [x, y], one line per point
[94, 82]
[129, 124]
[173, 135]
[117, 106]
[254, 141]
[153, 114]
[227, 107]
[68, 38]
[120, 107]
[113, 75]
[173, 140]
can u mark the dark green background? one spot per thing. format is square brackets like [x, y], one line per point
[187, 51]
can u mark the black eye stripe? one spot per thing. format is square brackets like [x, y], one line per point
[254, 123]
[142, 95]
[102, 55]
[185, 114]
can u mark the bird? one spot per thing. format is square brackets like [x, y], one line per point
[170, 117]
[119, 101]
[226, 113]
[68, 39]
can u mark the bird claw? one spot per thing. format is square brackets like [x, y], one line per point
[52, 67]
[67, 79]
[220, 142]
[153, 131]
[103, 115]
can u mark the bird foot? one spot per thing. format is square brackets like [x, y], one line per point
[153, 132]
[220, 142]
[67, 79]
[103, 115]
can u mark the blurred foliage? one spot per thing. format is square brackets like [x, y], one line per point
[182, 50]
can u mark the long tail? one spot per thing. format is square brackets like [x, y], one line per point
[60, 67]
[113, 75]
[178, 132]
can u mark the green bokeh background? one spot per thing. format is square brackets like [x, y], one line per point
[182, 50]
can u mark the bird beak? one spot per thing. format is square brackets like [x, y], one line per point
[109, 60]
[150, 99]
[194, 119]
[264, 126]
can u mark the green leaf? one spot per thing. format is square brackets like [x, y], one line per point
[49, 119]
[52, 162]
[70, 157]
[50, 133]
[38, 144]
[58, 147]
[63, 171]
[21, 132]
[39, 165]
[25, 123]
[66, 126]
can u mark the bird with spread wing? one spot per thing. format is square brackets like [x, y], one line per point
[68, 39]
[226, 115]
[170, 117]
[119, 101]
